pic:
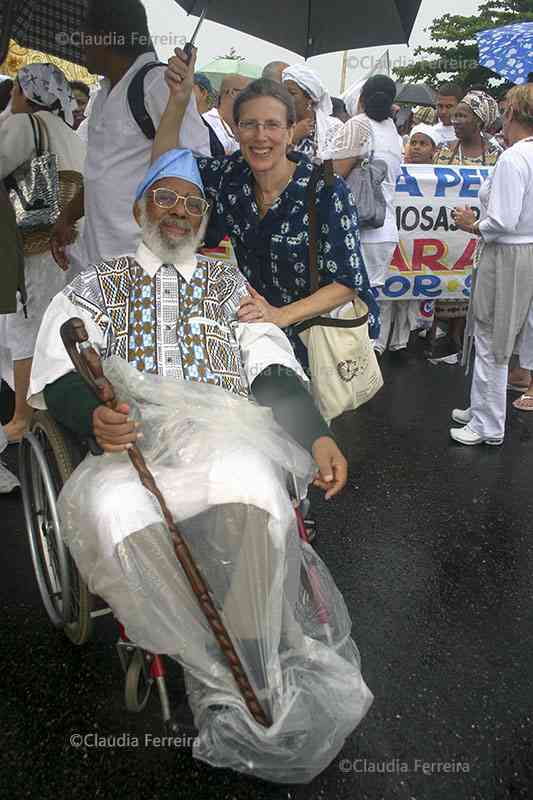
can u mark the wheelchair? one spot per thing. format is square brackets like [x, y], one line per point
[48, 455]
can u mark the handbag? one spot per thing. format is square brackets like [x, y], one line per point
[365, 182]
[34, 186]
[344, 369]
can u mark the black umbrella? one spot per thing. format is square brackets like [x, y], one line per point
[418, 94]
[51, 26]
[311, 27]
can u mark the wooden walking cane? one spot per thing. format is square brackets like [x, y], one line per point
[87, 362]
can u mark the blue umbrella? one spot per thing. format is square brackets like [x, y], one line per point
[508, 51]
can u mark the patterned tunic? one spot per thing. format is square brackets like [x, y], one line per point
[164, 324]
[452, 153]
[273, 252]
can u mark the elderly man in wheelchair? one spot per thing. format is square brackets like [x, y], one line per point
[223, 417]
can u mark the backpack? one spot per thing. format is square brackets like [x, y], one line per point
[136, 99]
[143, 118]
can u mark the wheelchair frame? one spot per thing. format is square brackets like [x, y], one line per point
[48, 455]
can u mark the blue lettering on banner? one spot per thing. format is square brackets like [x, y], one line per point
[403, 288]
[427, 286]
[447, 177]
[468, 285]
[408, 184]
[471, 178]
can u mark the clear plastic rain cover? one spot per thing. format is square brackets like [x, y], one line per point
[223, 465]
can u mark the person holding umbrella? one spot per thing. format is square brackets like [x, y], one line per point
[261, 200]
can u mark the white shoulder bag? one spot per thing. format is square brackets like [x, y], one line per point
[344, 369]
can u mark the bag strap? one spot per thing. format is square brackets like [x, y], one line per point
[44, 134]
[37, 135]
[325, 171]
[136, 99]
[331, 322]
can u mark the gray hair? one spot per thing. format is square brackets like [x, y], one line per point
[272, 70]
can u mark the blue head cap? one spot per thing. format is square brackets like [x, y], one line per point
[172, 164]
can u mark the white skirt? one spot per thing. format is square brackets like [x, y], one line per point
[377, 257]
[44, 280]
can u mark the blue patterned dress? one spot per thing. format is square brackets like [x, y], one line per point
[273, 252]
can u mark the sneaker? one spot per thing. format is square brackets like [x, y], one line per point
[467, 436]
[452, 360]
[8, 482]
[462, 416]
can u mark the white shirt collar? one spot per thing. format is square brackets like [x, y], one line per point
[151, 263]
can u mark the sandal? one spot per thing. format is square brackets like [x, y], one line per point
[524, 403]
[517, 387]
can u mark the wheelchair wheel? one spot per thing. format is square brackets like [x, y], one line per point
[138, 682]
[47, 458]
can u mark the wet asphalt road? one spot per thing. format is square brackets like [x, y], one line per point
[431, 545]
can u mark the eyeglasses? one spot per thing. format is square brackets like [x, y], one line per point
[167, 198]
[270, 126]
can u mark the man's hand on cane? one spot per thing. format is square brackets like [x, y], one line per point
[113, 430]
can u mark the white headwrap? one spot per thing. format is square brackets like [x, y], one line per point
[44, 85]
[309, 81]
[427, 130]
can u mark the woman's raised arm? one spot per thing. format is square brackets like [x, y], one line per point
[179, 79]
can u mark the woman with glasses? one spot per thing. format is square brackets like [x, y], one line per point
[260, 197]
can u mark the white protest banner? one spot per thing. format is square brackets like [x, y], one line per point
[433, 259]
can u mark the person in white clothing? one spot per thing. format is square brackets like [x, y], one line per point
[42, 103]
[400, 317]
[501, 310]
[220, 118]
[8, 481]
[118, 149]
[449, 97]
[373, 131]
[315, 130]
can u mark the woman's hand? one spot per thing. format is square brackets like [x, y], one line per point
[256, 309]
[113, 431]
[63, 234]
[332, 467]
[303, 129]
[179, 76]
[465, 219]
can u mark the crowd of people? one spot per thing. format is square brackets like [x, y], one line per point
[168, 168]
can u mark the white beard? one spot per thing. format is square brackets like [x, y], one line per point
[170, 252]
